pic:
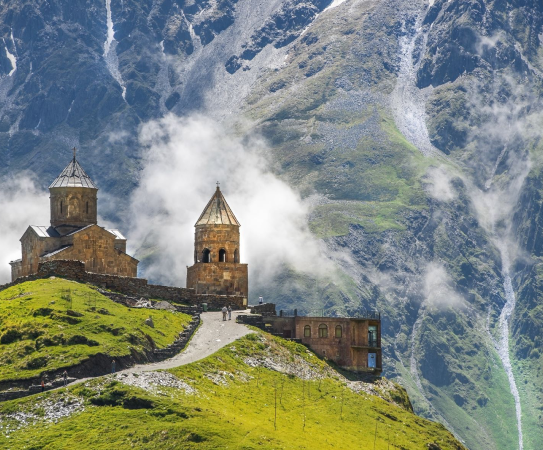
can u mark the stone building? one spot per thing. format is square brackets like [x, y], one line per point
[353, 343]
[217, 268]
[73, 233]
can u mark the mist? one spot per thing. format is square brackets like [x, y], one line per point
[22, 204]
[184, 159]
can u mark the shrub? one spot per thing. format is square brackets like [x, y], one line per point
[36, 363]
[10, 336]
[77, 339]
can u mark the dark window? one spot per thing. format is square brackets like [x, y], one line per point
[222, 255]
[206, 256]
[339, 331]
[372, 336]
[323, 331]
[61, 207]
[236, 256]
[87, 207]
[307, 331]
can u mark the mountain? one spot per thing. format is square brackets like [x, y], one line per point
[411, 127]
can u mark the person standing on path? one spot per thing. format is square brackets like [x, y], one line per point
[113, 366]
[229, 312]
[42, 385]
[65, 377]
[224, 311]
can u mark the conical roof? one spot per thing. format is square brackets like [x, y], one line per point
[73, 176]
[217, 212]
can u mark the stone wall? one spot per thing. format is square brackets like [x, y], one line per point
[219, 278]
[138, 287]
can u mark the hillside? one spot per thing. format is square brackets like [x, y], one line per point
[225, 401]
[52, 324]
[410, 129]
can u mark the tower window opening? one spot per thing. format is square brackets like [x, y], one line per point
[236, 256]
[206, 256]
[87, 207]
[61, 207]
[222, 255]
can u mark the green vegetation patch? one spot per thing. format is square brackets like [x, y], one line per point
[235, 400]
[51, 324]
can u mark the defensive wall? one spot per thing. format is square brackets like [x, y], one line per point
[139, 287]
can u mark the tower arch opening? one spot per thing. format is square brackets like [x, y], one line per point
[206, 256]
[222, 255]
[236, 256]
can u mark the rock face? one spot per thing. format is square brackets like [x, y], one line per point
[413, 125]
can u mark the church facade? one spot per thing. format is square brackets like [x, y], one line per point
[217, 268]
[73, 233]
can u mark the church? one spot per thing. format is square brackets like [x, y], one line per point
[73, 233]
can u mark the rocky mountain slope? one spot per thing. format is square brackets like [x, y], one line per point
[411, 127]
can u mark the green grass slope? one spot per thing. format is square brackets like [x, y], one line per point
[51, 324]
[259, 392]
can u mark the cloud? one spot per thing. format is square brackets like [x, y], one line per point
[440, 186]
[184, 159]
[22, 203]
[438, 289]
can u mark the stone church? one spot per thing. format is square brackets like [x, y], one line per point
[217, 268]
[74, 233]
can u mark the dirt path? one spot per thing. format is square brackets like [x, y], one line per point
[213, 334]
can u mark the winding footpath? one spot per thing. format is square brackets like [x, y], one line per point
[212, 335]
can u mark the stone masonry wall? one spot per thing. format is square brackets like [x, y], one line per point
[75, 270]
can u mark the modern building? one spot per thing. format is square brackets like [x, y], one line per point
[73, 233]
[217, 268]
[353, 343]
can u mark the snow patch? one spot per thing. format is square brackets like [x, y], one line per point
[12, 58]
[110, 54]
[333, 4]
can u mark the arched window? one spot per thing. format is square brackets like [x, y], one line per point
[87, 207]
[222, 255]
[236, 256]
[307, 331]
[61, 205]
[206, 256]
[323, 330]
[339, 331]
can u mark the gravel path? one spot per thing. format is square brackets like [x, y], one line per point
[212, 335]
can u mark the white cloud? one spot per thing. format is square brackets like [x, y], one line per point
[440, 186]
[21, 204]
[438, 288]
[184, 159]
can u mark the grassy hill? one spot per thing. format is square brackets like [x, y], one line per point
[259, 392]
[51, 324]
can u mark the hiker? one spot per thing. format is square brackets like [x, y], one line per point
[65, 376]
[260, 300]
[42, 385]
[113, 366]
[229, 312]
[224, 311]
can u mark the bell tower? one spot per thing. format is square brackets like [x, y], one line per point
[217, 268]
[73, 199]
